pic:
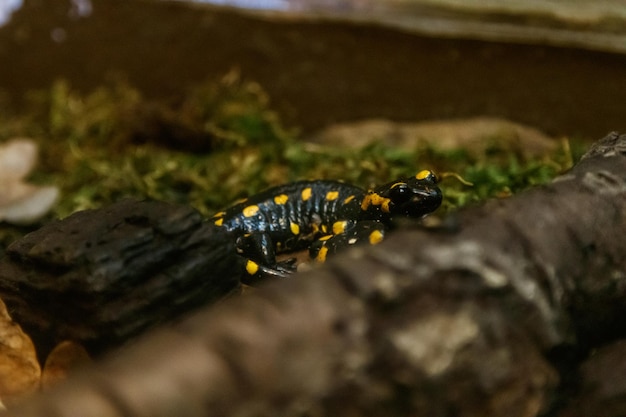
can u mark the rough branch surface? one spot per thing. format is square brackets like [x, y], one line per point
[462, 320]
[100, 277]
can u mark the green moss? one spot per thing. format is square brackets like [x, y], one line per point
[101, 147]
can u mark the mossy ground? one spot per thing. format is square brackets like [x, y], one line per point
[223, 142]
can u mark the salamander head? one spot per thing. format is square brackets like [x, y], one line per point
[414, 196]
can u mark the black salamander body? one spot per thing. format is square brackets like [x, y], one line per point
[322, 215]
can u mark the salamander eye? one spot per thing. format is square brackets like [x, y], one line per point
[399, 192]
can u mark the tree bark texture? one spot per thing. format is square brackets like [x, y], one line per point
[100, 277]
[469, 319]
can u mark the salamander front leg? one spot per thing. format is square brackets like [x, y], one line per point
[368, 231]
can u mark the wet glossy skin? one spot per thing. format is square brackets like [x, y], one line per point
[323, 216]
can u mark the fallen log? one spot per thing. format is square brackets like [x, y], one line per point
[465, 320]
[100, 277]
[601, 384]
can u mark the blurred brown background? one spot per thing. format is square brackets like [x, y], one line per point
[557, 65]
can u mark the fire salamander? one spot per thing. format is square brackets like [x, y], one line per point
[324, 216]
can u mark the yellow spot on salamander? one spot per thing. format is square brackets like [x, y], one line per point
[250, 211]
[325, 238]
[366, 202]
[373, 199]
[339, 227]
[321, 255]
[376, 199]
[295, 228]
[219, 222]
[347, 200]
[423, 174]
[332, 195]
[306, 194]
[376, 237]
[398, 184]
[370, 199]
[324, 228]
[281, 199]
[220, 214]
[252, 267]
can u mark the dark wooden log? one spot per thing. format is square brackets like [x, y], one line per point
[100, 277]
[464, 320]
[601, 384]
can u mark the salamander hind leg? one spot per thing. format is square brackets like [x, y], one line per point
[256, 273]
[259, 253]
[257, 246]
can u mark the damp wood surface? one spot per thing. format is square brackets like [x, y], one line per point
[100, 277]
[485, 315]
